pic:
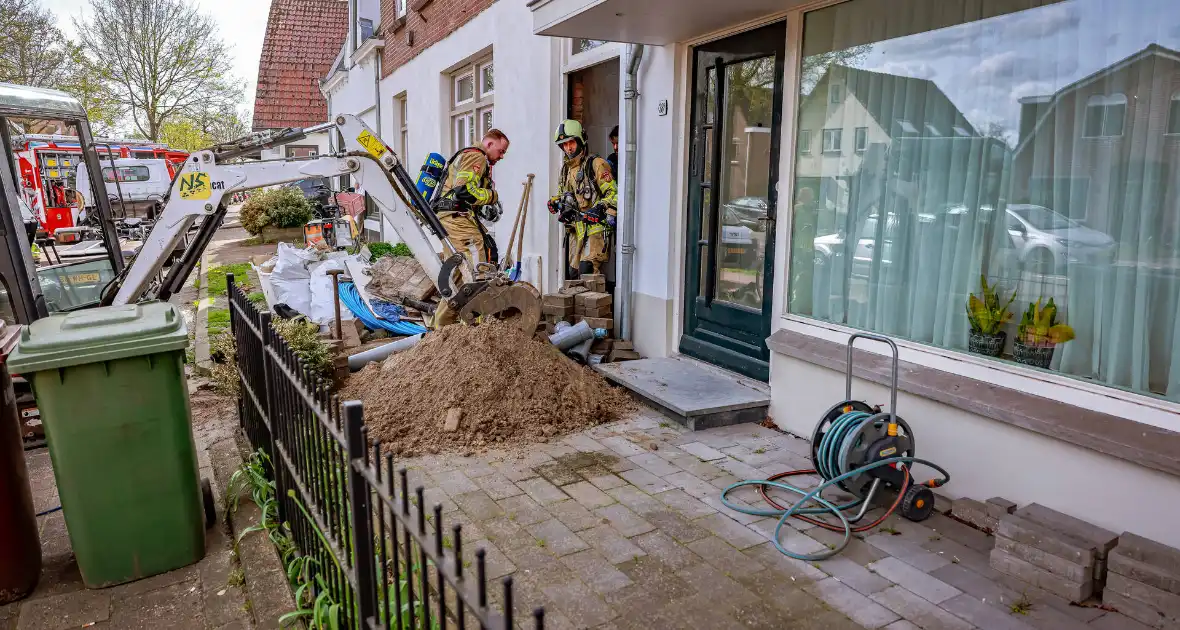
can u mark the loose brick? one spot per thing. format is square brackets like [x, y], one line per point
[602, 346]
[1015, 527]
[1103, 539]
[1140, 571]
[1044, 560]
[623, 355]
[1071, 590]
[1159, 555]
[976, 513]
[560, 311]
[592, 300]
[999, 507]
[599, 322]
[1167, 604]
[558, 300]
[1135, 610]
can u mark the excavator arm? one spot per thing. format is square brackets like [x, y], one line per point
[209, 177]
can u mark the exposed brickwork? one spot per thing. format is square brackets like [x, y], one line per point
[429, 25]
[303, 37]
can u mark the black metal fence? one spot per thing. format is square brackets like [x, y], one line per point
[347, 508]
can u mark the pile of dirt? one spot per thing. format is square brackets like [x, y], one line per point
[511, 388]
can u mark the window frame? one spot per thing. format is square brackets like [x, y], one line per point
[805, 147]
[838, 134]
[470, 111]
[1173, 116]
[835, 94]
[403, 112]
[859, 134]
[1105, 102]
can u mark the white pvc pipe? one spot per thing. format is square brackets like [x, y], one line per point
[361, 359]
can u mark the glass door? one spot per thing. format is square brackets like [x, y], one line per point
[733, 171]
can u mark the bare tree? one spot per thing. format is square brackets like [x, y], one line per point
[815, 66]
[160, 59]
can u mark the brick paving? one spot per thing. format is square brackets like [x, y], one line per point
[622, 526]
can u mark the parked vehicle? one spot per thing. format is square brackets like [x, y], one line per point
[747, 212]
[142, 185]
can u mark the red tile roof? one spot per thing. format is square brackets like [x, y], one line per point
[303, 38]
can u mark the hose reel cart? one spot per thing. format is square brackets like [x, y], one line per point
[861, 450]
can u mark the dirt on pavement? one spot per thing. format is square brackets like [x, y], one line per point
[511, 388]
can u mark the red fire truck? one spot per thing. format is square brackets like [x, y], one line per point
[48, 169]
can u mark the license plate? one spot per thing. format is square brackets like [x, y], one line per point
[82, 278]
[735, 250]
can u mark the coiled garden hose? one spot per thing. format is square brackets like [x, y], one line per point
[831, 451]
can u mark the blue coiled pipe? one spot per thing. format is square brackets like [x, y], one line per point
[351, 298]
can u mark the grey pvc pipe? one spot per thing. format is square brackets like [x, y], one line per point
[361, 359]
[630, 167]
[571, 336]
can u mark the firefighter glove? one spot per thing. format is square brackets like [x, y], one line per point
[596, 214]
[554, 205]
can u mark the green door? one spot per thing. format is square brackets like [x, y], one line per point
[733, 170]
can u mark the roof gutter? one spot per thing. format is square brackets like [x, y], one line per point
[630, 168]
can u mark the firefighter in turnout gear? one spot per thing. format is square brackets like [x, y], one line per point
[467, 196]
[587, 202]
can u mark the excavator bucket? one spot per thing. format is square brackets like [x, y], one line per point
[515, 300]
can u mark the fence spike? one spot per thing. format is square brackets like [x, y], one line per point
[418, 492]
[457, 528]
[507, 581]
[404, 474]
[376, 458]
[481, 576]
[539, 618]
[389, 475]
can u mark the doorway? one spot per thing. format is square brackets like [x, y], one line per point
[736, 126]
[593, 100]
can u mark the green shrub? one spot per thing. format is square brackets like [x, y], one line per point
[224, 373]
[401, 249]
[218, 320]
[381, 250]
[278, 207]
[257, 298]
[304, 338]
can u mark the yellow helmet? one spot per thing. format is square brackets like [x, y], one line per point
[569, 130]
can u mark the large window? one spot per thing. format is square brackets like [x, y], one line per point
[1023, 143]
[403, 110]
[472, 93]
[127, 174]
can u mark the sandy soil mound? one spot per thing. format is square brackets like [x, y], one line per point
[511, 388]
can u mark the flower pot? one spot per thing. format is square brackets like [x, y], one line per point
[985, 344]
[1037, 356]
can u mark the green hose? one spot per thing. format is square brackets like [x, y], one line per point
[833, 449]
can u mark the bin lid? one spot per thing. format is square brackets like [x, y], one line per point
[98, 334]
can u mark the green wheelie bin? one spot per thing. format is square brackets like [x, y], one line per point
[111, 388]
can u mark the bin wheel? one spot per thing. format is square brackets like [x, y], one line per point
[209, 504]
[918, 503]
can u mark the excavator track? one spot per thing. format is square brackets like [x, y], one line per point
[516, 299]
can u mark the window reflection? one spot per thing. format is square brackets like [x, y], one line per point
[1037, 144]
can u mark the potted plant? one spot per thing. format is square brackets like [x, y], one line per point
[1039, 334]
[987, 318]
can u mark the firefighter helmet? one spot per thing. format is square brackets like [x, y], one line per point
[569, 130]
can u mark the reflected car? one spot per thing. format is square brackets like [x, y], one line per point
[1047, 240]
[747, 212]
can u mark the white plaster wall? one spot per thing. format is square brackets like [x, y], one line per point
[988, 458]
[319, 139]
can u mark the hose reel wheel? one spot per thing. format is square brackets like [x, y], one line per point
[825, 423]
[850, 436]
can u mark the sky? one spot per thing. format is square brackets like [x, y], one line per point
[242, 22]
[986, 66]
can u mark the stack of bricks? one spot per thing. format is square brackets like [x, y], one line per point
[586, 299]
[1143, 581]
[985, 515]
[1053, 551]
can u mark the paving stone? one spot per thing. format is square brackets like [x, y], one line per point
[640, 502]
[608, 541]
[454, 482]
[579, 460]
[436, 496]
[918, 582]
[592, 568]
[999, 507]
[680, 501]
[68, 610]
[859, 608]
[691, 484]
[1102, 539]
[1074, 591]
[1038, 536]
[730, 531]
[478, 505]
[907, 551]
[506, 533]
[797, 572]
[959, 553]
[531, 558]
[585, 493]
[976, 513]
[654, 464]
[574, 515]
[498, 486]
[982, 615]
[496, 563]
[718, 438]
[974, 584]
[646, 481]
[1135, 610]
[676, 525]
[523, 510]
[654, 582]
[717, 586]
[1116, 621]
[738, 468]
[724, 481]
[714, 502]
[1143, 572]
[515, 472]
[542, 491]
[902, 624]
[702, 451]
[854, 575]
[723, 556]
[558, 474]
[556, 537]
[584, 442]
[785, 595]
[702, 470]
[1168, 604]
[1053, 564]
[919, 611]
[960, 533]
[581, 605]
[176, 606]
[621, 445]
[607, 482]
[557, 449]
[627, 523]
[1148, 551]
[765, 527]
[662, 547]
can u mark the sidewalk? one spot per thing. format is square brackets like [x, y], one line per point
[621, 527]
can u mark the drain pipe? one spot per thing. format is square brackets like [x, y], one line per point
[627, 233]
